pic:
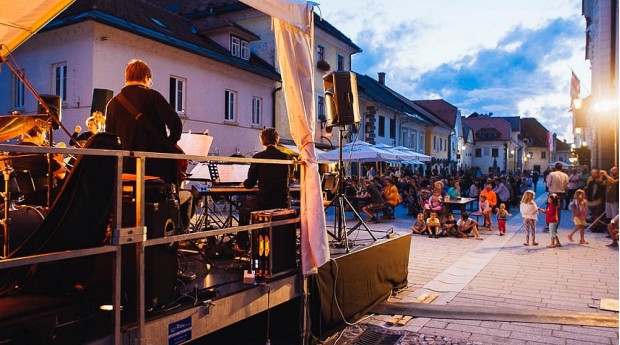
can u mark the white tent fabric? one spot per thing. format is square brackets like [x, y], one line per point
[419, 156]
[292, 23]
[362, 153]
[24, 19]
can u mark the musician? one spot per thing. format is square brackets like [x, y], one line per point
[145, 121]
[156, 112]
[39, 167]
[93, 123]
[273, 181]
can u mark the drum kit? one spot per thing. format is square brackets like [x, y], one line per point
[18, 221]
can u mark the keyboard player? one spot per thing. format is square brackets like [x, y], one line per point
[273, 181]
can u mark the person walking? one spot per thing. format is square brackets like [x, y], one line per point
[529, 213]
[502, 214]
[579, 210]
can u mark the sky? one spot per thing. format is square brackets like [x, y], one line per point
[506, 57]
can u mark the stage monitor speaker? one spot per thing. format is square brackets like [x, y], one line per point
[274, 248]
[55, 106]
[341, 100]
[101, 97]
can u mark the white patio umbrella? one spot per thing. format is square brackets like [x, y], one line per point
[359, 151]
[419, 156]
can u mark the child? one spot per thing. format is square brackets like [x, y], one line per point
[449, 227]
[485, 209]
[435, 203]
[529, 213]
[432, 224]
[551, 212]
[466, 225]
[502, 214]
[579, 209]
[419, 226]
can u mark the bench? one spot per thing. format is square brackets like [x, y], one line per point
[477, 214]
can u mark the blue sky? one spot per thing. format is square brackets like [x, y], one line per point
[509, 57]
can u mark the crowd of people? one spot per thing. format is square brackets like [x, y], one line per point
[590, 196]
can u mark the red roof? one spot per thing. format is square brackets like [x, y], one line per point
[443, 110]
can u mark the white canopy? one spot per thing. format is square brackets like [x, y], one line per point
[19, 20]
[419, 156]
[359, 151]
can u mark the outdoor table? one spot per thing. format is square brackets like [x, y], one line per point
[460, 204]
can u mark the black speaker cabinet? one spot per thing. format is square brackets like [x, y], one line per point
[341, 100]
[274, 248]
[101, 97]
[161, 219]
[54, 104]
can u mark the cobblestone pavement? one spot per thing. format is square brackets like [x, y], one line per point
[500, 271]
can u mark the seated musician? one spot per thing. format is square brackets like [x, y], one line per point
[93, 123]
[37, 165]
[273, 182]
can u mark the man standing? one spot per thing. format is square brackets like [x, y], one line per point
[490, 195]
[557, 182]
[611, 192]
[144, 127]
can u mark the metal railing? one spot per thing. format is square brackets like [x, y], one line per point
[130, 235]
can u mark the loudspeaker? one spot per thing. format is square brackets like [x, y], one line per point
[54, 104]
[101, 97]
[341, 100]
[274, 248]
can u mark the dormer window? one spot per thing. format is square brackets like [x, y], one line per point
[239, 48]
[488, 134]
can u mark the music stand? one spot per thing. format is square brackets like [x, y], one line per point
[340, 202]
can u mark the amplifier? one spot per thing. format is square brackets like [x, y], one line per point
[274, 248]
[160, 218]
[200, 188]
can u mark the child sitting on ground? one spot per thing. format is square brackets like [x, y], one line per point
[419, 226]
[449, 227]
[466, 226]
[433, 225]
[502, 214]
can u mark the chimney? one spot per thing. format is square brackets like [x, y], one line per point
[382, 78]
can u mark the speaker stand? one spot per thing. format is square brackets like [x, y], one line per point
[340, 202]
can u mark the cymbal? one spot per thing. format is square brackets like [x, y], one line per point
[13, 125]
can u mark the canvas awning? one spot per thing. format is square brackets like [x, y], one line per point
[19, 20]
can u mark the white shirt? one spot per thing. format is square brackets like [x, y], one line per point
[529, 211]
[557, 181]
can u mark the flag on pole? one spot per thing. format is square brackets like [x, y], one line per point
[575, 89]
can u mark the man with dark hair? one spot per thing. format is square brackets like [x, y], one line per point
[557, 182]
[273, 181]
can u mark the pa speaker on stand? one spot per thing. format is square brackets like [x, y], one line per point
[342, 109]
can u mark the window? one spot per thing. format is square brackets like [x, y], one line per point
[230, 105]
[320, 108]
[257, 110]
[543, 155]
[239, 48]
[494, 152]
[404, 137]
[17, 92]
[392, 128]
[235, 46]
[320, 53]
[245, 50]
[177, 94]
[381, 131]
[340, 63]
[478, 153]
[435, 142]
[60, 80]
[414, 140]
[421, 139]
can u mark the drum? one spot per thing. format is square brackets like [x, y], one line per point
[23, 221]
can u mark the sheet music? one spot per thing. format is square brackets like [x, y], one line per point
[233, 173]
[195, 143]
[201, 172]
